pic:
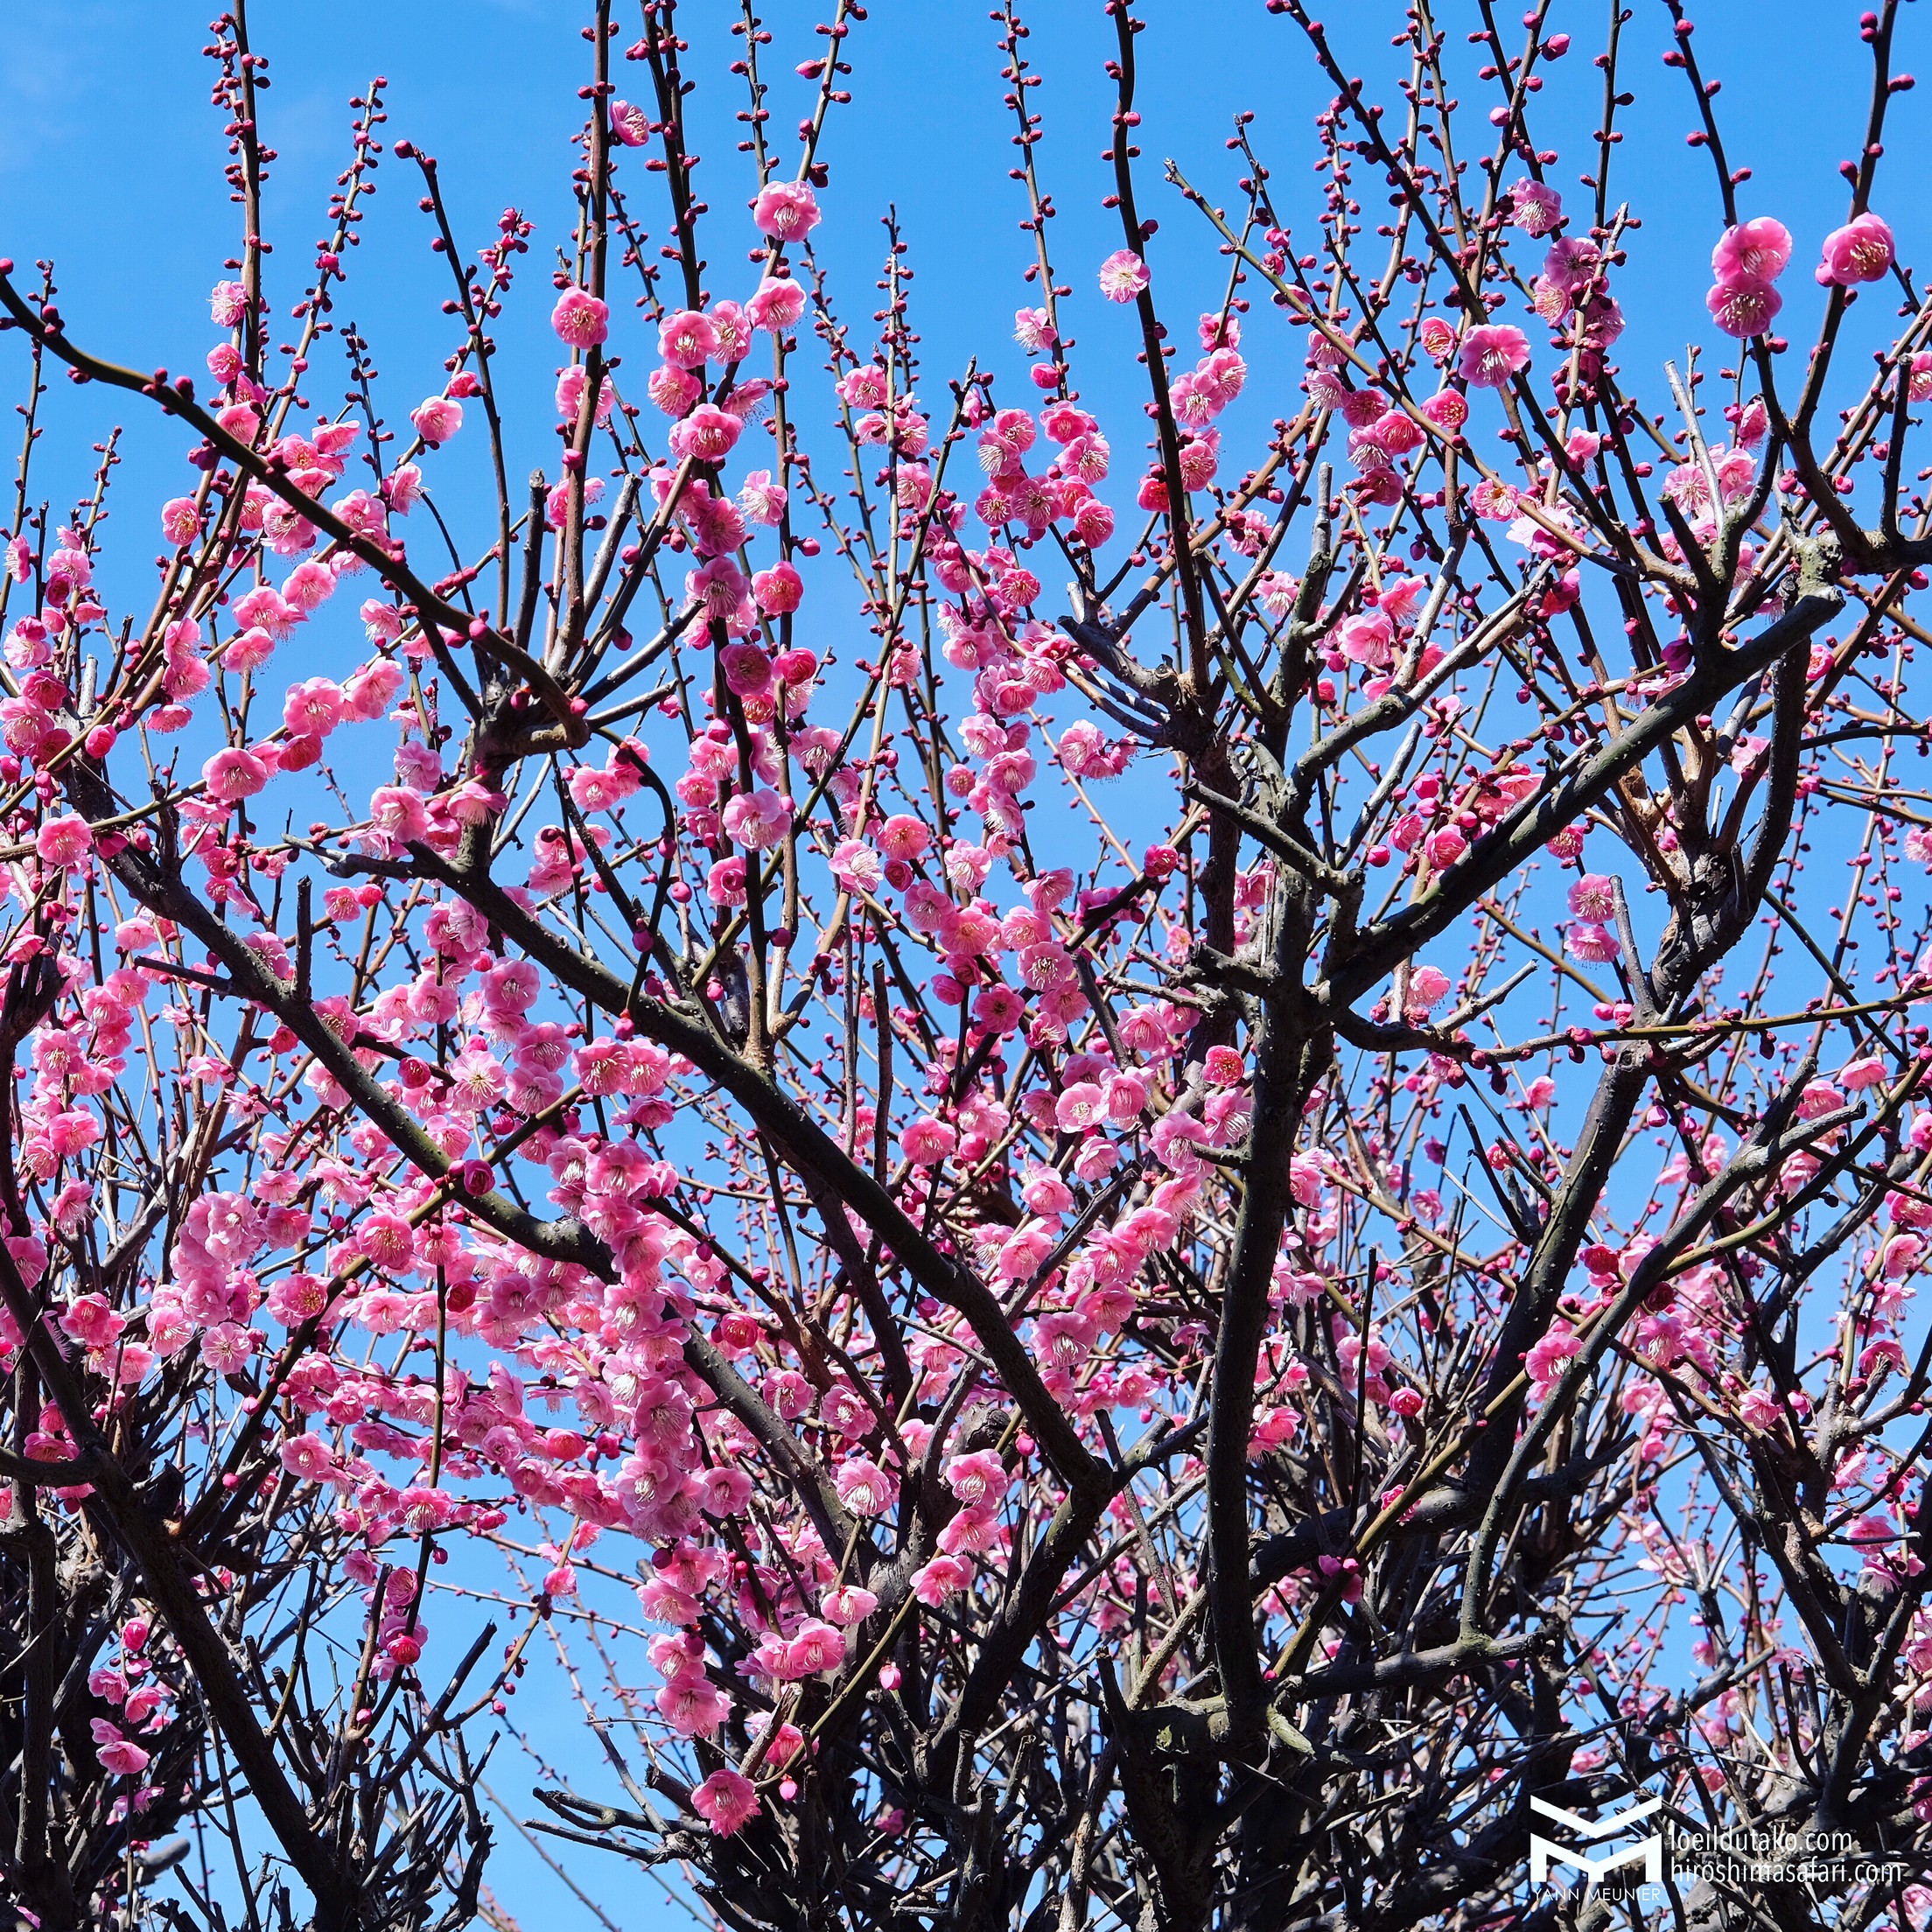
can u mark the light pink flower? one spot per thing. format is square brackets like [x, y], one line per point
[849, 1605]
[398, 812]
[1428, 988]
[308, 1459]
[864, 1488]
[1123, 275]
[758, 820]
[437, 419]
[785, 210]
[180, 520]
[65, 841]
[775, 305]
[855, 867]
[1536, 207]
[1491, 354]
[234, 773]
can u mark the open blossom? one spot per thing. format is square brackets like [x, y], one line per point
[1743, 307]
[848, 1605]
[234, 773]
[1861, 251]
[1033, 330]
[786, 211]
[977, 1477]
[758, 820]
[776, 303]
[65, 841]
[778, 591]
[707, 433]
[1593, 896]
[1753, 251]
[1536, 207]
[687, 338]
[1428, 988]
[437, 420]
[945, 1576]
[856, 866]
[925, 1142]
[181, 520]
[864, 1488]
[1545, 1361]
[1592, 941]
[1491, 354]
[1123, 275]
[307, 1457]
[725, 1801]
[397, 812]
[118, 1755]
[580, 319]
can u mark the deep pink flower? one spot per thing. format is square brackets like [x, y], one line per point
[580, 319]
[725, 1801]
[1861, 251]
[779, 590]
[707, 433]
[119, 1755]
[1757, 250]
[1744, 307]
[686, 338]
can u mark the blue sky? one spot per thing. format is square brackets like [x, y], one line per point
[110, 161]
